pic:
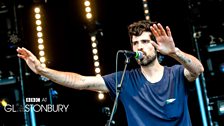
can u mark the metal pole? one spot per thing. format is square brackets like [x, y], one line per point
[202, 90]
[22, 92]
[32, 115]
[201, 102]
[20, 68]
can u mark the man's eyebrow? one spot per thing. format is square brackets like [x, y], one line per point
[133, 41]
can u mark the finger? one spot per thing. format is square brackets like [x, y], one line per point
[168, 31]
[21, 56]
[154, 32]
[155, 44]
[33, 59]
[27, 52]
[156, 29]
[18, 49]
[161, 29]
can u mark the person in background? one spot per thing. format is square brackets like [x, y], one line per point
[152, 94]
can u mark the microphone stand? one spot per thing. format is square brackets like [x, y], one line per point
[127, 60]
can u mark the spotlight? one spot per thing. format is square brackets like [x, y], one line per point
[100, 96]
[221, 68]
[220, 104]
[4, 102]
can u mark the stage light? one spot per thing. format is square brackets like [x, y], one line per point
[43, 64]
[220, 104]
[95, 57]
[38, 22]
[93, 38]
[221, 68]
[95, 51]
[94, 42]
[147, 17]
[100, 95]
[37, 16]
[40, 47]
[89, 16]
[88, 9]
[146, 9]
[145, 5]
[42, 59]
[95, 54]
[40, 40]
[40, 34]
[37, 10]
[87, 3]
[4, 102]
[96, 64]
[98, 75]
[94, 45]
[41, 53]
[97, 70]
[39, 28]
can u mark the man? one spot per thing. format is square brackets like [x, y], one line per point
[152, 95]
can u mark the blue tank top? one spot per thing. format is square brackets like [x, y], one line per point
[164, 103]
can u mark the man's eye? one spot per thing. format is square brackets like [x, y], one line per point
[145, 41]
[134, 43]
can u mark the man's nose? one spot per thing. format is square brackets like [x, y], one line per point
[140, 47]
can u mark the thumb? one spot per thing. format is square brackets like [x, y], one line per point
[33, 59]
[155, 44]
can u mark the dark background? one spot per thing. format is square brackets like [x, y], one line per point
[68, 48]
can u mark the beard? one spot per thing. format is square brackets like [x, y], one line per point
[147, 60]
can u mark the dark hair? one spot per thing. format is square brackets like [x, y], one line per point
[137, 28]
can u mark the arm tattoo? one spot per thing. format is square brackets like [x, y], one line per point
[184, 59]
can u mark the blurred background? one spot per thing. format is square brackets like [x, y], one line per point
[84, 36]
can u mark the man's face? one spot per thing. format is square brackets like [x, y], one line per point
[142, 43]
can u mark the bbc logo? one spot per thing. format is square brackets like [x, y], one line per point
[32, 99]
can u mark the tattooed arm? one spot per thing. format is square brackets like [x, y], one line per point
[193, 67]
[165, 45]
[68, 79]
[74, 80]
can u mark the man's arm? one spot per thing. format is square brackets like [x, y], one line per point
[166, 46]
[68, 79]
[74, 80]
[193, 67]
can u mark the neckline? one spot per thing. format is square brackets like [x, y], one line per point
[153, 83]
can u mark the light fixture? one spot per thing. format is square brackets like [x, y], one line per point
[146, 10]
[221, 68]
[220, 104]
[37, 15]
[4, 103]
